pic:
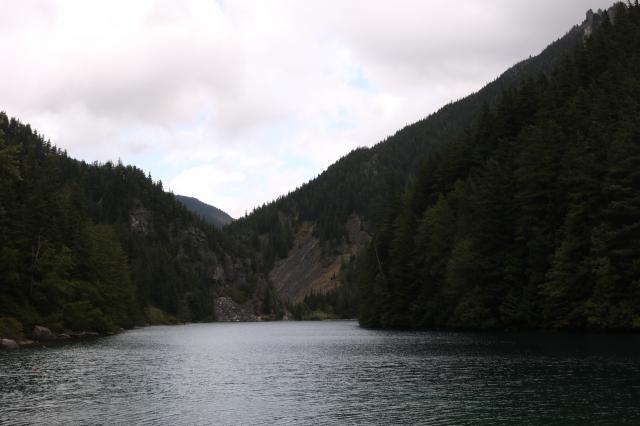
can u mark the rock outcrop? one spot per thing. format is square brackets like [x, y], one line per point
[42, 334]
[8, 344]
[226, 310]
[594, 19]
[139, 218]
[308, 269]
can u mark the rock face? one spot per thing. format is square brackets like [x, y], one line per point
[307, 269]
[594, 19]
[226, 310]
[587, 25]
[42, 334]
[8, 344]
[139, 218]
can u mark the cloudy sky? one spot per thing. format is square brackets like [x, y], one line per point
[236, 102]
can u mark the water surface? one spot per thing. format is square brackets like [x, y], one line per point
[323, 373]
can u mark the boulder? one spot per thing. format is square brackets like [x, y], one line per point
[42, 334]
[8, 344]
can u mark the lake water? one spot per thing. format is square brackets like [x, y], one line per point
[323, 373]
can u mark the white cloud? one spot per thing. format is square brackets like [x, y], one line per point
[236, 102]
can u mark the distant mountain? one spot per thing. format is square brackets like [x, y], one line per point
[209, 213]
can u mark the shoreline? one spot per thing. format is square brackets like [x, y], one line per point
[54, 340]
[44, 338]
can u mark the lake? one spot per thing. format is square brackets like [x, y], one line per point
[323, 373]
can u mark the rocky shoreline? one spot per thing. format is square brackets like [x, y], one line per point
[225, 310]
[42, 336]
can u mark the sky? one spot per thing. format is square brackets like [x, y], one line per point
[238, 102]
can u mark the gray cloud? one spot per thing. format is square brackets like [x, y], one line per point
[239, 101]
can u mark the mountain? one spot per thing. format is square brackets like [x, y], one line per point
[103, 246]
[212, 215]
[532, 219]
[305, 237]
[514, 207]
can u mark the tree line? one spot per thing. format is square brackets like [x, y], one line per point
[103, 246]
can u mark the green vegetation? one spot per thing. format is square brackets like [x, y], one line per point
[102, 246]
[10, 328]
[360, 181]
[212, 215]
[340, 303]
[514, 207]
[531, 220]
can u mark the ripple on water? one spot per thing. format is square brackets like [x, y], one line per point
[323, 373]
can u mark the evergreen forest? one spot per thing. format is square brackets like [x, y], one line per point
[517, 207]
[103, 246]
[532, 219]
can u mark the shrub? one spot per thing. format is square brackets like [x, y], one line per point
[10, 328]
[157, 316]
[83, 316]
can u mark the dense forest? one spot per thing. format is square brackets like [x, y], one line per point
[103, 246]
[531, 220]
[361, 182]
[212, 215]
[514, 207]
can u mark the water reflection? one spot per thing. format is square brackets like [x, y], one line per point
[323, 373]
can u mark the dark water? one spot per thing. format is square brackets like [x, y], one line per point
[323, 373]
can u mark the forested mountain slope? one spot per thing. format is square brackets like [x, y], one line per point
[513, 207]
[532, 220]
[355, 188]
[211, 214]
[101, 246]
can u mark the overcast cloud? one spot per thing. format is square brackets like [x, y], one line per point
[237, 102]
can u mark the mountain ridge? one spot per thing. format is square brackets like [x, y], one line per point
[531, 221]
[102, 246]
[357, 184]
[209, 213]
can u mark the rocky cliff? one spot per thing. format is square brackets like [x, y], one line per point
[308, 268]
